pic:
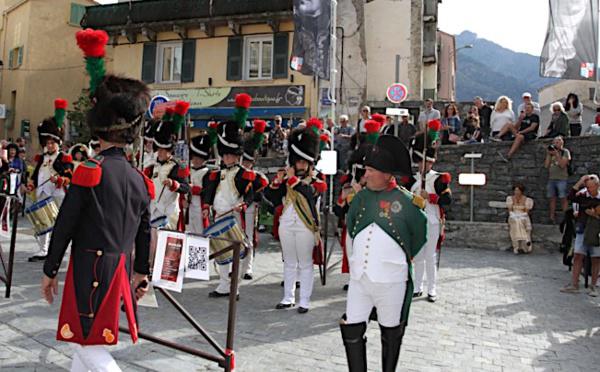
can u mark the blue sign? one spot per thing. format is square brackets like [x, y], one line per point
[155, 101]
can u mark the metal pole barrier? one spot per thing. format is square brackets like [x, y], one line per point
[472, 191]
[11, 253]
[233, 288]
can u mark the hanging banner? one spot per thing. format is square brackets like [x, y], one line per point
[312, 37]
[571, 47]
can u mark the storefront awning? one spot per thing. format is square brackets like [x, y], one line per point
[254, 112]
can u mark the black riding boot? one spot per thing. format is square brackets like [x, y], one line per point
[355, 343]
[391, 340]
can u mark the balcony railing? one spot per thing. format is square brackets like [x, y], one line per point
[159, 11]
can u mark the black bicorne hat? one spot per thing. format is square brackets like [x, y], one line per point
[390, 155]
[229, 140]
[420, 147]
[303, 145]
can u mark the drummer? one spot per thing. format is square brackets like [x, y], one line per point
[53, 170]
[226, 189]
[200, 147]
[252, 146]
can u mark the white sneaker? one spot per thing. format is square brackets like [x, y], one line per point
[570, 288]
[592, 291]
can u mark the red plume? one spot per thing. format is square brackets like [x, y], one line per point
[243, 100]
[372, 126]
[92, 42]
[60, 103]
[213, 125]
[435, 125]
[314, 122]
[381, 119]
[324, 138]
[446, 178]
[259, 126]
[182, 107]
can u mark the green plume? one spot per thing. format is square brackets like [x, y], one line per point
[96, 69]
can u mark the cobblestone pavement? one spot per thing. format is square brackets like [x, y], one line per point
[496, 312]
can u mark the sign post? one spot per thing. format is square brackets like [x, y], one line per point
[397, 93]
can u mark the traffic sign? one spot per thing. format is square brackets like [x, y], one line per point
[154, 102]
[397, 93]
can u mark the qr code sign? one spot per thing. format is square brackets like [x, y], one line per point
[197, 258]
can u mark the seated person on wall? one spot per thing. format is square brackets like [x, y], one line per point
[524, 130]
[472, 126]
[559, 124]
[519, 223]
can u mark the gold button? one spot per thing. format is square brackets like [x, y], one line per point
[98, 253]
[90, 315]
[366, 262]
[95, 284]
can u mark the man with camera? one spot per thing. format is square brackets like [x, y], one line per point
[557, 162]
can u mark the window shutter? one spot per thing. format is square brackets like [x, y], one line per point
[77, 13]
[20, 57]
[11, 59]
[234, 58]
[188, 63]
[280, 60]
[149, 63]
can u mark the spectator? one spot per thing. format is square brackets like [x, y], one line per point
[450, 125]
[519, 223]
[21, 143]
[597, 118]
[557, 161]
[502, 116]
[472, 126]
[593, 130]
[15, 163]
[277, 135]
[559, 124]
[573, 109]
[524, 130]
[484, 111]
[428, 114]
[388, 127]
[342, 141]
[406, 131]
[365, 114]
[588, 199]
[527, 99]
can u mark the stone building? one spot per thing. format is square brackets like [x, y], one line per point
[559, 91]
[40, 61]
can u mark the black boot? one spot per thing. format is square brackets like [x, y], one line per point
[391, 340]
[355, 343]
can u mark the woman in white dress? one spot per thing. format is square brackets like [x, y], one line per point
[519, 223]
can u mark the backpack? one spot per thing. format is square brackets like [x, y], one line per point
[570, 168]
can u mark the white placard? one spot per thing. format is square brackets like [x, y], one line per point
[196, 262]
[328, 163]
[472, 179]
[169, 262]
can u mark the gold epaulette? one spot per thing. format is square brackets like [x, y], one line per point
[416, 199]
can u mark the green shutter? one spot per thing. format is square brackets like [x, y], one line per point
[77, 13]
[20, 57]
[188, 61]
[235, 54]
[281, 59]
[11, 60]
[149, 63]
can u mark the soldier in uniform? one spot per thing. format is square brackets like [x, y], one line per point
[149, 154]
[434, 188]
[299, 225]
[53, 170]
[79, 153]
[387, 228]
[169, 176]
[252, 147]
[104, 216]
[226, 189]
[200, 149]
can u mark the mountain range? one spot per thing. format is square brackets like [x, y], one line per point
[490, 70]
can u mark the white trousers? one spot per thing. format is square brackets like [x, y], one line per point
[248, 261]
[44, 240]
[92, 359]
[363, 295]
[425, 261]
[297, 243]
[196, 224]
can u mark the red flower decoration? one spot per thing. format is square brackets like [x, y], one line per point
[181, 107]
[435, 125]
[259, 126]
[379, 118]
[243, 100]
[213, 125]
[324, 138]
[372, 126]
[92, 42]
[314, 123]
[60, 103]
[446, 177]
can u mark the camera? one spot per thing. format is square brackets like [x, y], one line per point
[552, 147]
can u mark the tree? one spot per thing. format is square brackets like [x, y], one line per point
[80, 132]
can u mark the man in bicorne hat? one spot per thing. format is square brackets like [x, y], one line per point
[200, 149]
[386, 228]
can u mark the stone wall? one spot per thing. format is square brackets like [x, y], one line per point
[527, 167]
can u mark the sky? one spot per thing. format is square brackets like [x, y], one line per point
[519, 25]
